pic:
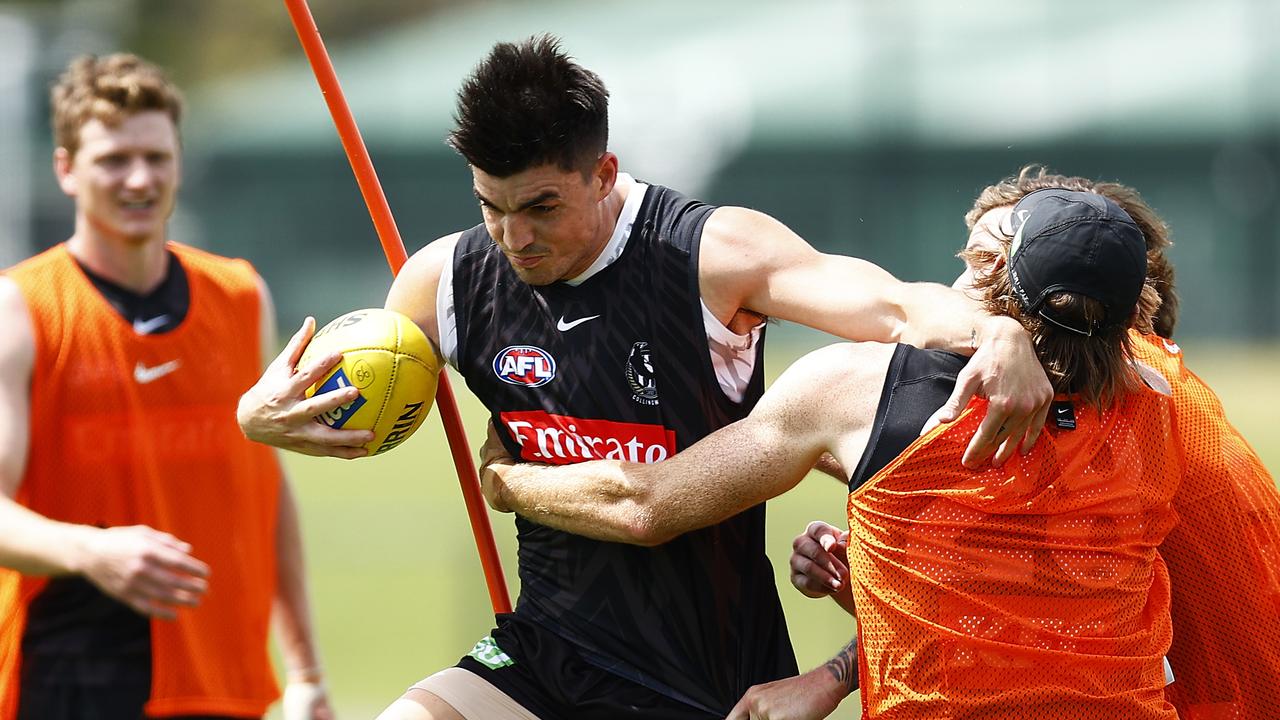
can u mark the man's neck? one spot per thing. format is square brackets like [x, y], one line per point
[611, 209]
[610, 215]
[137, 267]
[618, 197]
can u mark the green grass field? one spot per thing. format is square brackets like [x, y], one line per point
[397, 591]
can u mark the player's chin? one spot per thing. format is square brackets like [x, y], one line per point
[539, 274]
[138, 233]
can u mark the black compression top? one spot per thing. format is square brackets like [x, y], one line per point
[917, 384]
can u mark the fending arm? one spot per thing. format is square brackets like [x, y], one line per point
[752, 261]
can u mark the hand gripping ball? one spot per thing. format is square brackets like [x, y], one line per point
[390, 361]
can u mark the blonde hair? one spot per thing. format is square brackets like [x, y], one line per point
[108, 89]
[1159, 270]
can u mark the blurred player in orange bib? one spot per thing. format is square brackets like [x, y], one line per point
[146, 542]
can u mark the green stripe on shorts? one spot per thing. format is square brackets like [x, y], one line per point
[487, 653]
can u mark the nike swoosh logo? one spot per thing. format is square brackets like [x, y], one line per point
[563, 326]
[143, 374]
[1171, 347]
[1062, 410]
[146, 327]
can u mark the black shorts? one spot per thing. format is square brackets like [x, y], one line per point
[85, 656]
[67, 687]
[546, 675]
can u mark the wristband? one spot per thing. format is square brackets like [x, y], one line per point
[313, 674]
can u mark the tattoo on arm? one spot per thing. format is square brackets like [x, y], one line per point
[844, 666]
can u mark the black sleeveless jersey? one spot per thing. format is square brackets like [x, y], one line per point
[619, 367]
[917, 383]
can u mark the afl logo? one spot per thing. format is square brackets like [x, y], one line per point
[524, 365]
[641, 376]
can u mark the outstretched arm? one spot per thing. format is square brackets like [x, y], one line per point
[725, 473]
[749, 260]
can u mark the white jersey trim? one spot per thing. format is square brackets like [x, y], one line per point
[446, 317]
[621, 230]
[733, 356]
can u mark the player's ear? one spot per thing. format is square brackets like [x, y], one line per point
[62, 171]
[605, 174]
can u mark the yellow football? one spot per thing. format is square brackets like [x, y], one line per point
[390, 361]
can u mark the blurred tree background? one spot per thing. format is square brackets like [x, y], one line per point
[198, 41]
[867, 127]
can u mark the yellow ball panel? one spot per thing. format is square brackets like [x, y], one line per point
[390, 361]
[407, 404]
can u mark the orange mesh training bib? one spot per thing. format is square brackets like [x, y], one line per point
[1029, 591]
[129, 429]
[1223, 558]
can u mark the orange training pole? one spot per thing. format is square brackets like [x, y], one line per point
[380, 211]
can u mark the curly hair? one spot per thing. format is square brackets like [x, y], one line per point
[1096, 366]
[1159, 270]
[530, 104]
[108, 89]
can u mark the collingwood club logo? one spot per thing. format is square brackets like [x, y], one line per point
[640, 375]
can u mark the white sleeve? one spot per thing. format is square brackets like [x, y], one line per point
[733, 356]
[446, 316]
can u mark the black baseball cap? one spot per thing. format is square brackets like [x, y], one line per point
[1080, 242]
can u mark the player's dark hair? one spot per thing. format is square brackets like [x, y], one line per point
[1159, 270]
[529, 104]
